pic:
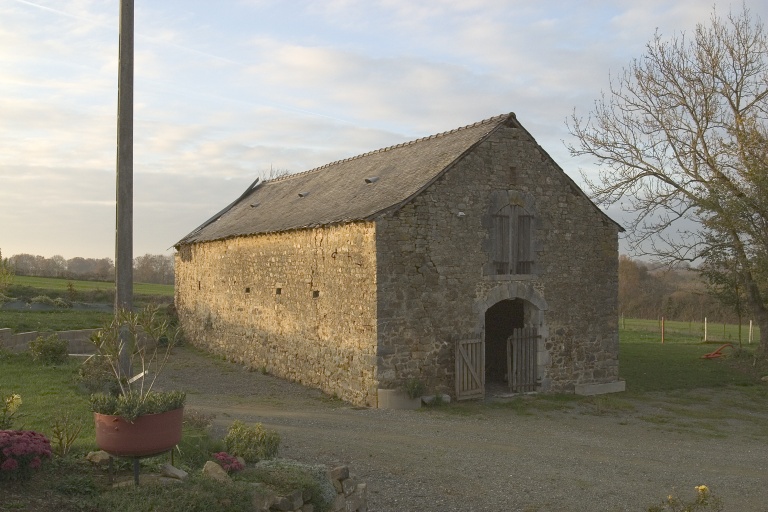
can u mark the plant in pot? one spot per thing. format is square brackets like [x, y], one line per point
[136, 420]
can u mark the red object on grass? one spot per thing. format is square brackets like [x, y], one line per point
[717, 353]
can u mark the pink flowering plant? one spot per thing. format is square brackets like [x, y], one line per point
[21, 453]
[228, 462]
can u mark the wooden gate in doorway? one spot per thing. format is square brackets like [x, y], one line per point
[522, 347]
[470, 369]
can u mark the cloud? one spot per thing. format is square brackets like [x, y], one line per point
[224, 93]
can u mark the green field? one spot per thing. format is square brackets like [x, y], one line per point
[63, 285]
[647, 364]
[26, 288]
[57, 320]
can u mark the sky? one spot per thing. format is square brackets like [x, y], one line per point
[232, 90]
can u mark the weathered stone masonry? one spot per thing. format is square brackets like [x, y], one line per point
[300, 305]
[432, 290]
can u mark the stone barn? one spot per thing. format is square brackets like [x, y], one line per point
[467, 261]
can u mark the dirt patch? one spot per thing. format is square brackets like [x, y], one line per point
[606, 453]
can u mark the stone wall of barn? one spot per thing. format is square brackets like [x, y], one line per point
[434, 287]
[300, 305]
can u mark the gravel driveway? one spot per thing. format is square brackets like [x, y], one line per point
[605, 454]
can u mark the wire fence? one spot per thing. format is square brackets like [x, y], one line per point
[705, 330]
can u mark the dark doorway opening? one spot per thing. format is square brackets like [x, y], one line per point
[500, 320]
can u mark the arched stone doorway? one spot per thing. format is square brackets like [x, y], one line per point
[482, 359]
[500, 320]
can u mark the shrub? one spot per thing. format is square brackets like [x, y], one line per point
[133, 405]
[198, 420]
[61, 303]
[9, 407]
[21, 453]
[49, 349]
[95, 376]
[43, 299]
[66, 429]
[138, 335]
[251, 443]
[414, 388]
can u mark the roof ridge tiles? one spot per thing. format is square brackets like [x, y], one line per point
[389, 148]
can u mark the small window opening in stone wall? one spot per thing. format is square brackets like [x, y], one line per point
[315, 294]
[512, 175]
[278, 291]
[247, 289]
[511, 236]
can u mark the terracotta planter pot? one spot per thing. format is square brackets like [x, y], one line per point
[151, 434]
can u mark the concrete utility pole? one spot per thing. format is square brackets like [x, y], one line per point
[124, 217]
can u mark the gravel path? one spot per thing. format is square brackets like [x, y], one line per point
[608, 454]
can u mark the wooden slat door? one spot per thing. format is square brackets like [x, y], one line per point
[470, 369]
[522, 347]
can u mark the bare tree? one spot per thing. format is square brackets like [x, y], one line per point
[55, 266]
[153, 268]
[24, 264]
[681, 141]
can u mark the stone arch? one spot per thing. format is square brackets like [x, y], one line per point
[509, 305]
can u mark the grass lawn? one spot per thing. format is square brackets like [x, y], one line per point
[62, 285]
[48, 393]
[56, 320]
[648, 365]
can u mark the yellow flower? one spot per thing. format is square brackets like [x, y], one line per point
[702, 489]
[12, 403]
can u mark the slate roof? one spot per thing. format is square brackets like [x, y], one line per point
[338, 192]
[358, 188]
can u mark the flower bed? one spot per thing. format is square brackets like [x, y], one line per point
[21, 453]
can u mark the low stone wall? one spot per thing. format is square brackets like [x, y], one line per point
[351, 496]
[78, 341]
